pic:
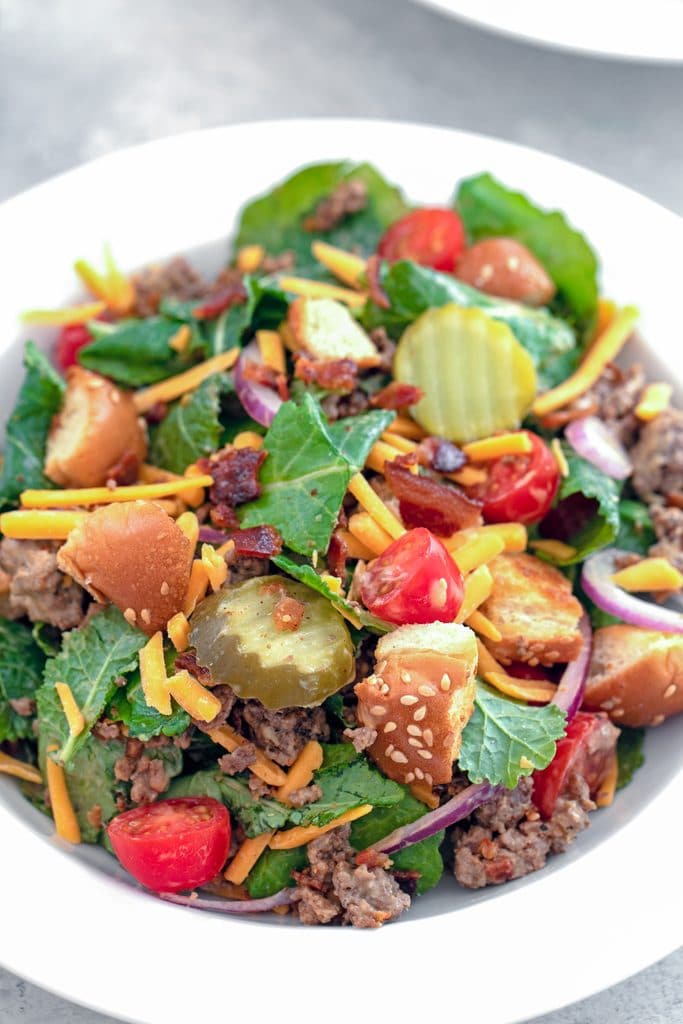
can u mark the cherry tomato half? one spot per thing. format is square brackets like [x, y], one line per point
[588, 747]
[414, 581]
[70, 341]
[519, 488]
[173, 845]
[434, 237]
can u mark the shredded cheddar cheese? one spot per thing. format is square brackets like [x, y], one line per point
[469, 476]
[189, 524]
[373, 504]
[195, 496]
[319, 290]
[181, 339]
[193, 697]
[333, 582]
[106, 495]
[476, 551]
[153, 675]
[382, 452]
[425, 794]
[405, 427]
[513, 535]
[226, 550]
[650, 574]
[521, 689]
[603, 351]
[245, 858]
[560, 457]
[480, 624]
[301, 772]
[72, 712]
[403, 444]
[216, 568]
[112, 286]
[345, 266]
[39, 525]
[272, 350]
[248, 439]
[516, 443]
[19, 769]
[172, 388]
[250, 258]
[608, 786]
[178, 629]
[653, 401]
[607, 310]
[554, 548]
[477, 588]
[196, 588]
[63, 317]
[66, 822]
[263, 767]
[303, 834]
[148, 474]
[355, 547]
[371, 536]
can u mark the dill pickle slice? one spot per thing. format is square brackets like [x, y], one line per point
[476, 377]
[235, 637]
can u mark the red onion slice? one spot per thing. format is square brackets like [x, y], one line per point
[592, 440]
[280, 899]
[572, 684]
[258, 401]
[207, 535]
[597, 584]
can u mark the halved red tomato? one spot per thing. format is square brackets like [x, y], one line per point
[172, 845]
[70, 341]
[432, 237]
[588, 748]
[519, 488]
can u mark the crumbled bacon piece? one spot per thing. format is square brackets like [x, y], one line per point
[265, 375]
[257, 542]
[224, 517]
[337, 553]
[440, 455]
[372, 273]
[396, 396]
[288, 613]
[331, 374]
[441, 508]
[125, 471]
[235, 475]
[233, 294]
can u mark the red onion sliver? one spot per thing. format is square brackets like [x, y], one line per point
[592, 440]
[258, 401]
[280, 899]
[597, 584]
[207, 535]
[571, 687]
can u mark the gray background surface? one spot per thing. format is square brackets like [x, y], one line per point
[78, 79]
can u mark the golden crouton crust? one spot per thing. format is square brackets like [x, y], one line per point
[534, 610]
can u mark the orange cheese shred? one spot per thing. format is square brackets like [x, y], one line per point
[25, 524]
[425, 794]
[272, 350]
[181, 339]
[172, 388]
[153, 675]
[480, 624]
[345, 266]
[303, 834]
[653, 401]
[608, 786]
[250, 258]
[248, 439]
[516, 443]
[19, 769]
[62, 317]
[263, 767]
[373, 504]
[193, 697]
[369, 534]
[476, 550]
[477, 588]
[189, 524]
[245, 858]
[216, 567]
[319, 290]
[178, 629]
[301, 772]
[650, 574]
[66, 822]
[355, 547]
[560, 457]
[196, 588]
[521, 689]
[107, 496]
[405, 427]
[554, 548]
[72, 712]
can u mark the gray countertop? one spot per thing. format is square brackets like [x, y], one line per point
[80, 79]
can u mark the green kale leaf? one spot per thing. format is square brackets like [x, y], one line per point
[135, 352]
[489, 209]
[636, 532]
[335, 754]
[412, 289]
[355, 435]
[602, 527]
[506, 739]
[128, 705]
[276, 220]
[21, 672]
[273, 871]
[303, 480]
[255, 816]
[26, 432]
[345, 786]
[630, 754]
[91, 660]
[190, 430]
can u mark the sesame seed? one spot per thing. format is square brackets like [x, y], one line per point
[390, 726]
[428, 779]
[384, 688]
[114, 397]
[130, 616]
[380, 666]
[427, 754]
[420, 713]
[670, 690]
[414, 730]
[409, 777]
[406, 677]
[533, 662]
[445, 683]
[390, 749]
[146, 616]
[428, 737]
[657, 720]
[426, 691]
[378, 710]
[408, 699]
[399, 757]
[373, 680]
[419, 773]
[414, 742]
[165, 589]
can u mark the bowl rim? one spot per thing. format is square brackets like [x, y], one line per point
[575, 964]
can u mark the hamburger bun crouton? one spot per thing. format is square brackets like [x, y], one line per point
[419, 700]
[133, 555]
[635, 675]
[325, 329]
[533, 608]
[96, 426]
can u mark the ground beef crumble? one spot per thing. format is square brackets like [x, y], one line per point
[658, 457]
[347, 198]
[239, 760]
[147, 775]
[36, 587]
[362, 738]
[175, 279]
[282, 734]
[305, 795]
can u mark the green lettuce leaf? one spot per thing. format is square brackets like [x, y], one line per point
[276, 219]
[303, 480]
[255, 816]
[412, 289]
[190, 430]
[636, 532]
[91, 660]
[335, 754]
[603, 527]
[354, 436]
[489, 209]
[630, 754]
[26, 431]
[273, 871]
[135, 352]
[129, 706]
[506, 739]
[21, 672]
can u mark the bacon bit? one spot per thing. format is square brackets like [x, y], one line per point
[156, 413]
[224, 517]
[396, 396]
[372, 858]
[377, 293]
[499, 870]
[288, 613]
[187, 662]
[235, 475]
[674, 499]
[125, 471]
[232, 295]
[337, 553]
[331, 374]
[439, 507]
[440, 455]
[257, 542]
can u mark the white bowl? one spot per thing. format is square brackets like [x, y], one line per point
[70, 921]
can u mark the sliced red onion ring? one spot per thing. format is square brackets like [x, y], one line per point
[280, 899]
[207, 535]
[570, 689]
[592, 440]
[461, 806]
[596, 582]
[260, 402]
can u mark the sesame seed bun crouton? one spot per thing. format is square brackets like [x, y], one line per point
[133, 555]
[325, 329]
[635, 675]
[419, 700]
[96, 426]
[533, 608]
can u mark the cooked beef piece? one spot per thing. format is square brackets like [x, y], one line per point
[668, 524]
[385, 347]
[613, 398]
[339, 407]
[347, 198]
[147, 775]
[23, 706]
[285, 260]
[333, 887]
[658, 457]
[239, 760]
[283, 734]
[105, 730]
[506, 838]
[305, 795]
[175, 279]
[37, 588]
[362, 738]
[259, 789]
[243, 569]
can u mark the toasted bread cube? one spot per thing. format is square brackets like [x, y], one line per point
[325, 329]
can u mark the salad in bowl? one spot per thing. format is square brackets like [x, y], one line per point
[350, 567]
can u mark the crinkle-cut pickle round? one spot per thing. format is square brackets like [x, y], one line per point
[235, 636]
[476, 376]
